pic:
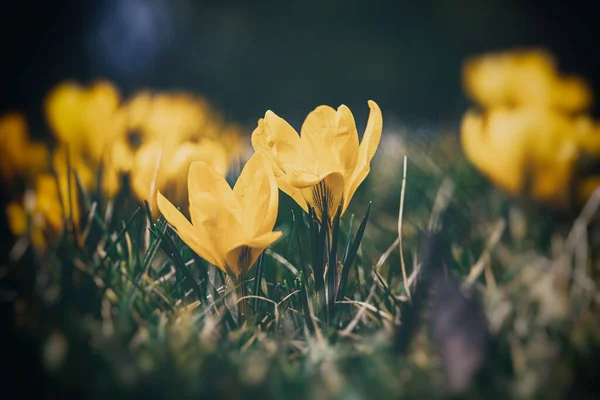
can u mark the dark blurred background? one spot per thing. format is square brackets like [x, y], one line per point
[289, 56]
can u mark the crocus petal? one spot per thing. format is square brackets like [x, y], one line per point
[221, 224]
[283, 181]
[283, 140]
[259, 139]
[242, 257]
[260, 145]
[572, 93]
[496, 144]
[368, 147]
[144, 171]
[302, 179]
[346, 140]
[188, 233]
[202, 178]
[329, 189]
[62, 109]
[260, 243]
[318, 128]
[256, 191]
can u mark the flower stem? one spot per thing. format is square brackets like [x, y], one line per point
[242, 305]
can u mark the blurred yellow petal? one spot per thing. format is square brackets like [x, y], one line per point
[15, 148]
[532, 138]
[62, 110]
[507, 78]
[587, 188]
[122, 155]
[86, 170]
[144, 174]
[523, 78]
[572, 94]
[138, 109]
[37, 158]
[234, 141]
[55, 203]
[529, 151]
[89, 118]
[496, 144]
[20, 223]
[111, 180]
[17, 218]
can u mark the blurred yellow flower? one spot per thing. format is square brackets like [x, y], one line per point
[174, 117]
[50, 200]
[533, 131]
[45, 209]
[229, 228]
[179, 116]
[527, 151]
[87, 171]
[325, 161]
[19, 156]
[524, 78]
[88, 119]
[17, 218]
[63, 157]
[20, 223]
[164, 167]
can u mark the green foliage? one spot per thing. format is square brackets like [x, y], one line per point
[126, 309]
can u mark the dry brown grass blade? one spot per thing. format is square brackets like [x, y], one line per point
[400, 213]
[494, 238]
[350, 327]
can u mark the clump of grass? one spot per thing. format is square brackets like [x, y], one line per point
[120, 306]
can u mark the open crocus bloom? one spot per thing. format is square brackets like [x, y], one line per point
[169, 175]
[326, 161]
[229, 227]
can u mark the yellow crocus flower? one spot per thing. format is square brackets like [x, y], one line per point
[229, 228]
[163, 167]
[173, 117]
[88, 119]
[179, 116]
[19, 223]
[523, 78]
[325, 161]
[19, 156]
[44, 210]
[527, 149]
[50, 200]
[17, 218]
